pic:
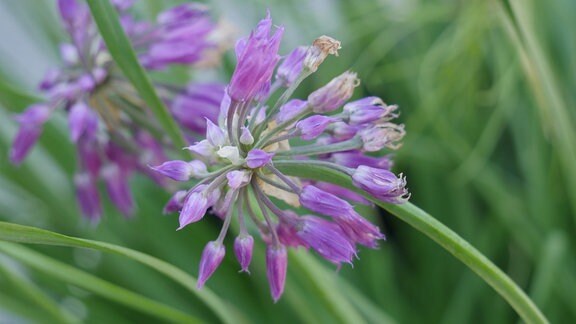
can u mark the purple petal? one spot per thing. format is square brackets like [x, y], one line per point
[276, 265]
[212, 256]
[257, 158]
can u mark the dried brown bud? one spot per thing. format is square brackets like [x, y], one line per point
[320, 49]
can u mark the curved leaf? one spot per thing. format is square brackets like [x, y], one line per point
[121, 50]
[94, 284]
[25, 234]
[438, 232]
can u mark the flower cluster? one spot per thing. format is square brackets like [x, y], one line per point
[238, 164]
[112, 130]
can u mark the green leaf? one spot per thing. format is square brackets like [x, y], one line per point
[96, 285]
[118, 44]
[438, 232]
[13, 99]
[25, 234]
[35, 296]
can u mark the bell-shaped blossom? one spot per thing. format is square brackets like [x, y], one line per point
[381, 183]
[257, 56]
[243, 246]
[276, 266]
[257, 158]
[212, 256]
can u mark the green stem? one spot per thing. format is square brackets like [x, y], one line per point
[442, 235]
[121, 50]
[94, 284]
[315, 149]
[24, 234]
[38, 298]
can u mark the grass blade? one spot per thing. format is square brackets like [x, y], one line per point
[96, 285]
[438, 232]
[31, 235]
[121, 50]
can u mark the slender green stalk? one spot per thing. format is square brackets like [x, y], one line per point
[31, 235]
[117, 42]
[37, 297]
[441, 234]
[94, 284]
[552, 105]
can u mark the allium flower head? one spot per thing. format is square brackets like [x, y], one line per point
[245, 151]
[112, 130]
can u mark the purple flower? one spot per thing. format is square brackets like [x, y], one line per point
[103, 112]
[251, 141]
[276, 264]
[380, 136]
[314, 126]
[323, 202]
[194, 208]
[327, 238]
[82, 121]
[87, 195]
[291, 109]
[257, 158]
[200, 101]
[257, 56]
[243, 245]
[181, 170]
[118, 188]
[246, 138]
[237, 178]
[31, 122]
[292, 66]
[368, 110]
[182, 36]
[381, 184]
[212, 256]
[359, 230]
[333, 95]
[175, 203]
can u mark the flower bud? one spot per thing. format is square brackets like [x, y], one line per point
[246, 137]
[291, 67]
[238, 178]
[175, 203]
[333, 95]
[82, 121]
[367, 110]
[291, 109]
[381, 183]
[181, 170]
[231, 153]
[313, 126]
[31, 121]
[212, 256]
[326, 238]
[118, 188]
[276, 264]
[320, 49]
[380, 136]
[87, 196]
[243, 245]
[323, 202]
[195, 206]
[257, 56]
[257, 158]
[215, 135]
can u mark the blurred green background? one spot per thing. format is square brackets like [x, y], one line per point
[486, 90]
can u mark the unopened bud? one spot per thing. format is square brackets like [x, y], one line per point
[320, 49]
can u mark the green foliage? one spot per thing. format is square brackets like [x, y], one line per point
[485, 90]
